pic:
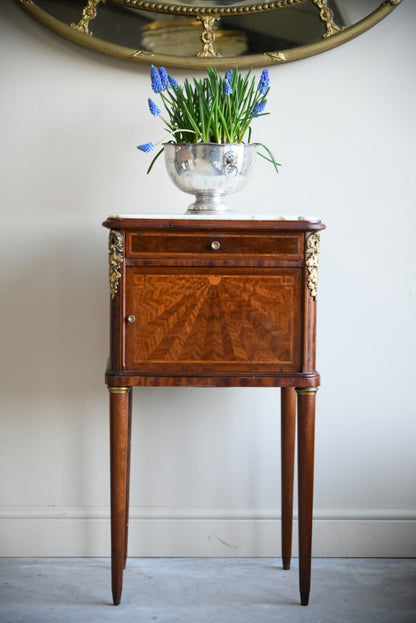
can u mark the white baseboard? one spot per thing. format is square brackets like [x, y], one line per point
[58, 531]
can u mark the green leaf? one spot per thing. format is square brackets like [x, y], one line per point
[153, 161]
[271, 158]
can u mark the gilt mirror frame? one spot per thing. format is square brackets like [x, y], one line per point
[206, 16]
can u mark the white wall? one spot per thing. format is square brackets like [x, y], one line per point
[205, 474]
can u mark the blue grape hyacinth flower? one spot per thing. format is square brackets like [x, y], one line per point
[164, 78]
[258, 108]
[173, 83]
[227, 87]
[146, 147]
[156, 80]
[264, 82]
[154, 108]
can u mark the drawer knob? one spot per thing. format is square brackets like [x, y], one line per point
[215, 245]
[131, 318]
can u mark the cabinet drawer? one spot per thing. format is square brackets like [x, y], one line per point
[205, 244]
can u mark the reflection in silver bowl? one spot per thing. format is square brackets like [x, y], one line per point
[210, 171]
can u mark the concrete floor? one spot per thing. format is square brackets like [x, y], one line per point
[206, 590]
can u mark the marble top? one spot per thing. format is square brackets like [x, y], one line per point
[232, 216]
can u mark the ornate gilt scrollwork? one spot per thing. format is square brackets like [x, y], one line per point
[327, 16]
[141, 54]
[312, 262]
[208, 35]
[115, 260]
[88, 13]
[276, 57]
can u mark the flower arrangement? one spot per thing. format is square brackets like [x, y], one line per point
[217, 109]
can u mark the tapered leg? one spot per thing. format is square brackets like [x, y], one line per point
[306, 444]
[288, 428]
[119, 433]
[126, 535]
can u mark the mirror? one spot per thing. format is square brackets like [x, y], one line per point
[200, 33]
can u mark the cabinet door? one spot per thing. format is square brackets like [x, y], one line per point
[213, 320]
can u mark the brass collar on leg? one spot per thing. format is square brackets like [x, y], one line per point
[118, 390]
[306, 391]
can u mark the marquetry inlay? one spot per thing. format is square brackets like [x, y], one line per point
[208, 318]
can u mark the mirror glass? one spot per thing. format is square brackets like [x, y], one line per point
[198, 33]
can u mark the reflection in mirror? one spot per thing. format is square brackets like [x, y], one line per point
[197, 33]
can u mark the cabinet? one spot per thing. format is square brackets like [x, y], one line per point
[200, 301]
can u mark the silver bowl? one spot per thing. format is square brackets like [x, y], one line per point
[210, 171]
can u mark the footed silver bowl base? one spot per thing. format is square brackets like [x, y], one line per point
[208, 204]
